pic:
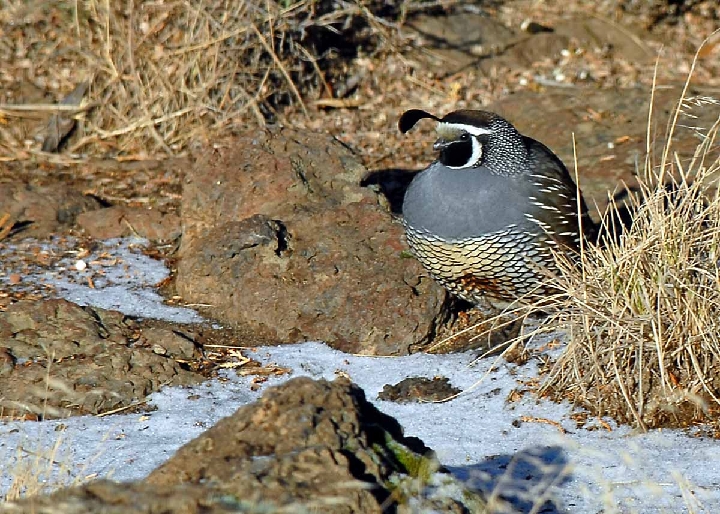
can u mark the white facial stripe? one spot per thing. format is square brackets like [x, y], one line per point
[470, 129]
[475, 157]
[477, 152]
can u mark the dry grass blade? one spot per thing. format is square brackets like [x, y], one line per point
[10, 108]
[644, 315]
[6, 225]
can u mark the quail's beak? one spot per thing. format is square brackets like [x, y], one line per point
[441, 144]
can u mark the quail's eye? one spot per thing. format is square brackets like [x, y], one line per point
[464, 136]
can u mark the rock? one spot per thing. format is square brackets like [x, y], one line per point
[463, 40]
[42, 210]
[622, 42]
[292, 447]
[54, 329]
[458, 41]
[165, 341]
[120, 221]
[583, 32]
[78, 360]
[279, 236]
[417, 389]
[527, 50]
[105, 497]
[305, 446]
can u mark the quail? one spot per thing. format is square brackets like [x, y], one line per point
[485, 218]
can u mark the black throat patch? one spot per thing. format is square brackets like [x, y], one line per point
[457, 154]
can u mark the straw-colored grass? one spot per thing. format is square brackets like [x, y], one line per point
[163, 75]
[34, 469]
[643, 315]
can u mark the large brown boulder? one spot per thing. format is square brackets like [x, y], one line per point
[305, 446]
[278, 235]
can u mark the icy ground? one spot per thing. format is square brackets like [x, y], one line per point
[497, 446]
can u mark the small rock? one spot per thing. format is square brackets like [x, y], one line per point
[159, 350]
[168, 342]
[416, 389]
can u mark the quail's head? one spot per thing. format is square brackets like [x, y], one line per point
[473, 138]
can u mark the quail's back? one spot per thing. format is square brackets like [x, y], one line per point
[485, 217]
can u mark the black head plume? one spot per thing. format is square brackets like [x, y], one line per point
[411, 117]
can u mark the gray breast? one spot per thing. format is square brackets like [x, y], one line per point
[458, 204]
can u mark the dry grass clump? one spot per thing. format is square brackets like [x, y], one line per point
[160, 75]
[35, 471]
[644, 315]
